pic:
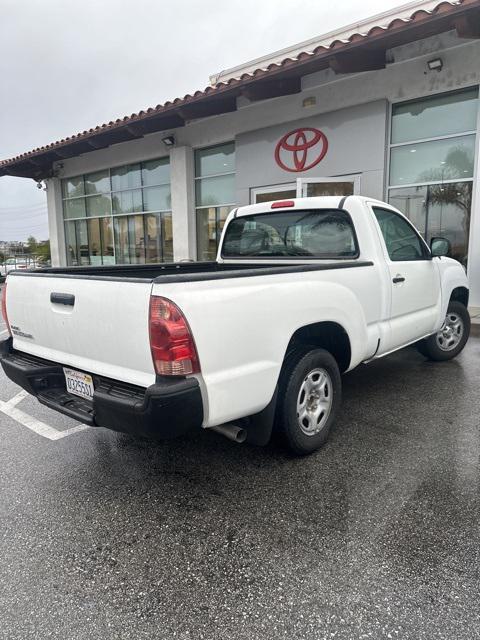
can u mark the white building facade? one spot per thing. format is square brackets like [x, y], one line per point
[407, 133]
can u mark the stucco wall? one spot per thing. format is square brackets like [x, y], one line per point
[351, 109]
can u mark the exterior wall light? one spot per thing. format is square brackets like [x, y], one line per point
[435, 65]
[169, 141]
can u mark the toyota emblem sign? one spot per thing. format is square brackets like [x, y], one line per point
[301, 149]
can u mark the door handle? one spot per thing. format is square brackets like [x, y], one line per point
[63, 298]
[398, 278]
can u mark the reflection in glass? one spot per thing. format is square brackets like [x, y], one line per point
[439, 210]
[98, 206]
[329, 189]
[215, 160]
[206, 234]
[126, 177]
[157, 198]
[98, 238]
[136, 238]
[95, 244]
[436, 116]
[122, 253]
[73, 187]
[153, 238]
[167, 237]
[71, 243]
[106, 229]
[74, 208]
[82, 239]
[127, 202]
[215, 191]
[98, 182]
[434, 161]
[156, 172]
[269, 196]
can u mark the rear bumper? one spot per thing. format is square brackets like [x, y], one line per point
[166, 409]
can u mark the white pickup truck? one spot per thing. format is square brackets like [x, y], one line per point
[301, 292]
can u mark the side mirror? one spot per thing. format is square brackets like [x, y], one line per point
[439, 247]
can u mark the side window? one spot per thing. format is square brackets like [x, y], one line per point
[401, 239]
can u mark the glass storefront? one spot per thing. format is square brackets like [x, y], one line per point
[214, 195]
[119, 216]
[432, 154]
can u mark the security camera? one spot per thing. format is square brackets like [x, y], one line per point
[39, 185]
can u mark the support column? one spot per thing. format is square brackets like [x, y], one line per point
[182, 177]
[55, 222]
[474, 240]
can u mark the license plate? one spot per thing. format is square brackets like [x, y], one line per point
[80, 384]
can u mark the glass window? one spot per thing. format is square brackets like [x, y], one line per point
[316, 234]
[401, 240]
[98, 182]
[127, 202]
[434, 161]
[106, 230]
[73, 187]
[122, 253]
[438, 174]
[75, 208]
[439, 210]
[167, 237]
[126, 177]
[95, 243]
[136, 237]
[439, 115]
[156, 172]
[98, 206]
[333, 188]
[214, 195]
[215, 160]
[215, 191]
[206, 234]
[98, 199]
[82, 242]
[71, 243]
[153, 238]
[157, 198]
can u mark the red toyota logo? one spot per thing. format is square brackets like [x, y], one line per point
[301, 149]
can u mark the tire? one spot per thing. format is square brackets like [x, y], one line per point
[452, 337]
[310, 391]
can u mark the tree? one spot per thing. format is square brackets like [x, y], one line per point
[43, 250]
[32, 244]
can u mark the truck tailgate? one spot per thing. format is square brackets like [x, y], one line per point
[104, 331]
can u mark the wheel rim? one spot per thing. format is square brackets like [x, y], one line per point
[451, 332]
[314, 401]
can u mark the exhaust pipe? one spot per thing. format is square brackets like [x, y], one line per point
[231, 431]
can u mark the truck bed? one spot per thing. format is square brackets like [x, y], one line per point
[188, 271]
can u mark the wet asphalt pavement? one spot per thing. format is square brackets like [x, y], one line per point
[375, 536]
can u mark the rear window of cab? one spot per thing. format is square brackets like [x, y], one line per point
[315, 233]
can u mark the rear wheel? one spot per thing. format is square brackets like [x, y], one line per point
[452, 337]
[309, 399]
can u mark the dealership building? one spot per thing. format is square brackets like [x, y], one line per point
[386, 108]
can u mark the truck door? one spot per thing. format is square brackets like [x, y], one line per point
[414, 280]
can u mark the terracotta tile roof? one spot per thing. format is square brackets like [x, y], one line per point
[221, 97]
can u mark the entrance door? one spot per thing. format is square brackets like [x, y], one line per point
[341, 186]
[274, 192]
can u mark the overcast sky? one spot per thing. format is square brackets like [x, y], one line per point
[68, 65]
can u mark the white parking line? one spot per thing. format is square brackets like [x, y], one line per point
[10, 409]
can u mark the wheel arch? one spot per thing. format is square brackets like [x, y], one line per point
[327, 335]
[460, 294]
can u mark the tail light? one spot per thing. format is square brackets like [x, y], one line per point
[4, 308]
[171, 341]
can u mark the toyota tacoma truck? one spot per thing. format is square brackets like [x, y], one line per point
[301, 292]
